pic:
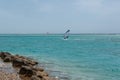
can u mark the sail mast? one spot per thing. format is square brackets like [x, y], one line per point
[66, 34]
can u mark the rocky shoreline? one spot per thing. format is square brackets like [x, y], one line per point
[26, 68]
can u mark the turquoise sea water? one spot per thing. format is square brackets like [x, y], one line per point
[81, 57]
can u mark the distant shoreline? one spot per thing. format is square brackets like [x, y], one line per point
[59, 34]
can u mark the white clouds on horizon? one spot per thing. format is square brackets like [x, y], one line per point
[102, 7]
[88, 6]
[42, 6]
[83, 15]
[95, 7]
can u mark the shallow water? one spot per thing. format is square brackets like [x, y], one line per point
[81, 57]
[7, 67]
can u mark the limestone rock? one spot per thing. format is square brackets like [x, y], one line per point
[41, 74]
[7, 59]
[18, 62]
[4, 54]
[35, 78]
[26, 70]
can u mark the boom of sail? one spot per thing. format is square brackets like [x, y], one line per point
[66, 34]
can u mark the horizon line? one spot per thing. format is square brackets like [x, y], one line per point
[51, 33]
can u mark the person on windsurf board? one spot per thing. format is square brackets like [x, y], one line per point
[66, 34]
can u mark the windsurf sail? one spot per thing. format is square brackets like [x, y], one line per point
[66, 34]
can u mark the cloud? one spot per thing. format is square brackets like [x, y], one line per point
[103, 7]
[46, 7]
[90, 3]
[6, 14]
[43, 6]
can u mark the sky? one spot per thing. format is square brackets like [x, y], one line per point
[56, 16]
